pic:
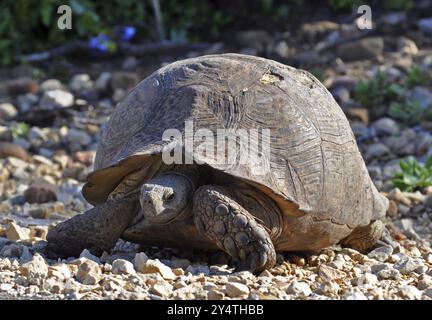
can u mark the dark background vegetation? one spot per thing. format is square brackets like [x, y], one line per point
[26, 26]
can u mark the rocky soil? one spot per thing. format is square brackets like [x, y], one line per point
[43, 166]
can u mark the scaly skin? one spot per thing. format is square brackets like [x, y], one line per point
[364, 238]
[97, 229]
[232, 228]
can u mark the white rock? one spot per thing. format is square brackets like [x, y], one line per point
[407, 266]
[236, 289]
[161, 289]
[301, 289]
[80, 82]
[6, 286]
[15, 232]
[356, 296]
[121, 266]
[89, 272]
[71, 286]
[140, 260]
[35, 270]
[59, 271]
[56, 99]
[88, 255]
[410, 292]
[51, 84]
[7, 111]
[153, 266]
[381, 253]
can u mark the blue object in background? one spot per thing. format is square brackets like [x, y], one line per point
[124, 33]
[99, 43]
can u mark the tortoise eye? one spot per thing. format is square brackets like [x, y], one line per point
[169, 197]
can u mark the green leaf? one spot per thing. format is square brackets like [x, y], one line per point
[428, 163]
[46, 13]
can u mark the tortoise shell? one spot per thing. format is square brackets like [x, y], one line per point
[313, 160]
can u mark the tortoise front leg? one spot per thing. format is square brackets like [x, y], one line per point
[97, 229]
[232, 228]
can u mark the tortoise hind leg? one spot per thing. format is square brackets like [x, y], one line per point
[97, 229]
[232, 228]
[365, 237]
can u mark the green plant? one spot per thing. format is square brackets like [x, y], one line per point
[377, 91]
[408, 111]
[398, 5]
[20, 129]
[414, 175]
[415, 76]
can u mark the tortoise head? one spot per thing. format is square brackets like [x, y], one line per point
[166, 198]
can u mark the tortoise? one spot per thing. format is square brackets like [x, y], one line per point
[314, 190]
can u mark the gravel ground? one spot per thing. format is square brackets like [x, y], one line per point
[44, 166]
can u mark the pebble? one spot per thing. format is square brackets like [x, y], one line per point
[89, 272]
[236, 289]
[7, 111]
[35, 270]
[144, 265]
[56, 99]
[161, 289]
[15, 232]
[300, 289]
[381, 253]
[121, 266]
[410, 292]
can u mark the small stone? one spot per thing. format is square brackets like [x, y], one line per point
[35, 270]
[406, 266]
[103, 81]
[356, 296]
[56, 99]
[407, 46]
[410, 292]
[329, 287]
[121, 266]
[381, 253]
[282, 49]
[424, 282]
[89, 272]
[386, 127]
[301, 289]
[378, 151]
[7, 111]
[422, 96]
[88, 255]
[236, 289]
[215, 295]
[365, 279]
[80, 82]
[71, 286]
[154, 266]
[51, 84]
[60, 271]
[15, 232]
[161, 289]
[368, 48]
[6, 286]
[16, 154]
[78, 137]
[393, 209]
[399, 197]
[40, 191]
